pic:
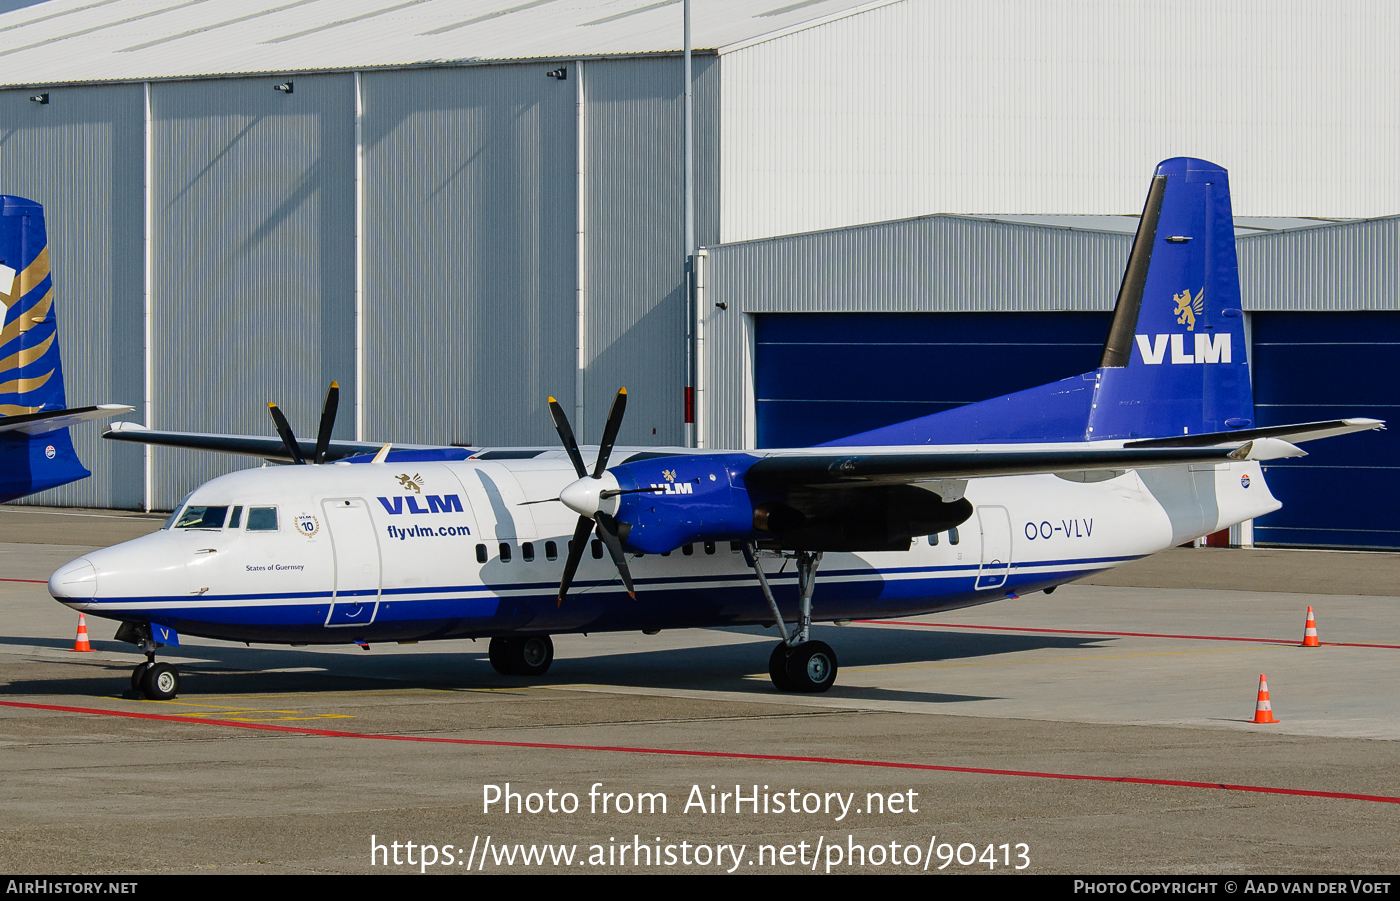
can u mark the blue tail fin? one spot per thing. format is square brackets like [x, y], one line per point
[31, 375]
[1175, 359]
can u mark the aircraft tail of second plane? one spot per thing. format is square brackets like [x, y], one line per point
[35, 450]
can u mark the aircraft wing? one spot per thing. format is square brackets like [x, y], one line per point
[50, 420]
[782, 471]
[1303, 431]
[870, 466]
[247, 445]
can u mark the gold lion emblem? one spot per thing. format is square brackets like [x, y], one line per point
[668, 474]
[411, 483]
[1188, 307]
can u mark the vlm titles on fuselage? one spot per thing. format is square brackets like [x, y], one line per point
[1015, 494]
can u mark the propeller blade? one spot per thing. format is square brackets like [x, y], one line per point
[619, 405]
[284, 430]
[581, 532]
[607, 530]
[323, 435]
[566, 434]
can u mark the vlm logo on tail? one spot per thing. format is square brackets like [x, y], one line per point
[1188, 309]
[1207, 349]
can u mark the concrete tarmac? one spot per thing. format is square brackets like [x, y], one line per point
[1104, 729]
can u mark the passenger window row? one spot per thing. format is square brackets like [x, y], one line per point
[952, 537]
[527, 551]
[505, 551]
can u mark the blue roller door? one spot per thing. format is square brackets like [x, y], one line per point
[1315, 366]
[820, 376]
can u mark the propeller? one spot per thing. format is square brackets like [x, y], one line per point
[586, 495]
[323, 434]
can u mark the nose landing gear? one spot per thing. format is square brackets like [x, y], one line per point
[154, 681]
[157, 681]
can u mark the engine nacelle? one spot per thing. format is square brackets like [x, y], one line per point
[703, 497]
[696, 497]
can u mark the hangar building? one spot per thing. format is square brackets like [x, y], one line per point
[458, 207]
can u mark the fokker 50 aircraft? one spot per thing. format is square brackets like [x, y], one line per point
[1015, 494]
[35, 450]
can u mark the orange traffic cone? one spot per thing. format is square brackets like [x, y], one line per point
[1263, 710]
[82, 643]
[1310, 632]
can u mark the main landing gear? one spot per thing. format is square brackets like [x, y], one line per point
[798, 663]
[521, 655]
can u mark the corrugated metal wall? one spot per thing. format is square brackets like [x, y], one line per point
[1355, 266]
[253, 294]
[1014, 107]
[960, 264]
[469, 253]
[930, 264]
[80, 155]
[636, 237]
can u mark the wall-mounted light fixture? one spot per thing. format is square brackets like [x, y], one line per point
[40, 98]
[560, 73]
[722, 305]
[285, 87]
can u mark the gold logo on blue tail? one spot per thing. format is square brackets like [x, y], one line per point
[13, 378]
[1188, 307]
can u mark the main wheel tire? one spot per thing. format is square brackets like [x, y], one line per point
[777, 668]
[162, 682]
[811, 667]
[502, 653]
[138, 677]
[536, 653]
[521, 655]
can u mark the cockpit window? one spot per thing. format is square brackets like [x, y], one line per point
[262, 519]
[175, 514]
[197, 517]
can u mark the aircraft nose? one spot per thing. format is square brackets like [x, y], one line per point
[74, 581]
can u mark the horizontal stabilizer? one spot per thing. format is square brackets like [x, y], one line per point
[50, 420]
[1303, 431]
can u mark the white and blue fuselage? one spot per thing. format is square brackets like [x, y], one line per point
[411, 552]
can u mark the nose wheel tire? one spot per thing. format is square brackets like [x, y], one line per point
[521, 655]
[161, 682]
[810, 667]
[138, 677]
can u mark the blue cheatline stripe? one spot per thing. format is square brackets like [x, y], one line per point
[910, 589]
[698, 581]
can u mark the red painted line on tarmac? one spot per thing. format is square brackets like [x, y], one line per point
[724, 755]
[1335, 644]
[31, 581]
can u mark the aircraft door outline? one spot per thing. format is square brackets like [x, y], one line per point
[995, 524]
[355, 560]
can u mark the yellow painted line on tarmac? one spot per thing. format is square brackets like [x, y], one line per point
[250, 714]
[368, 692]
